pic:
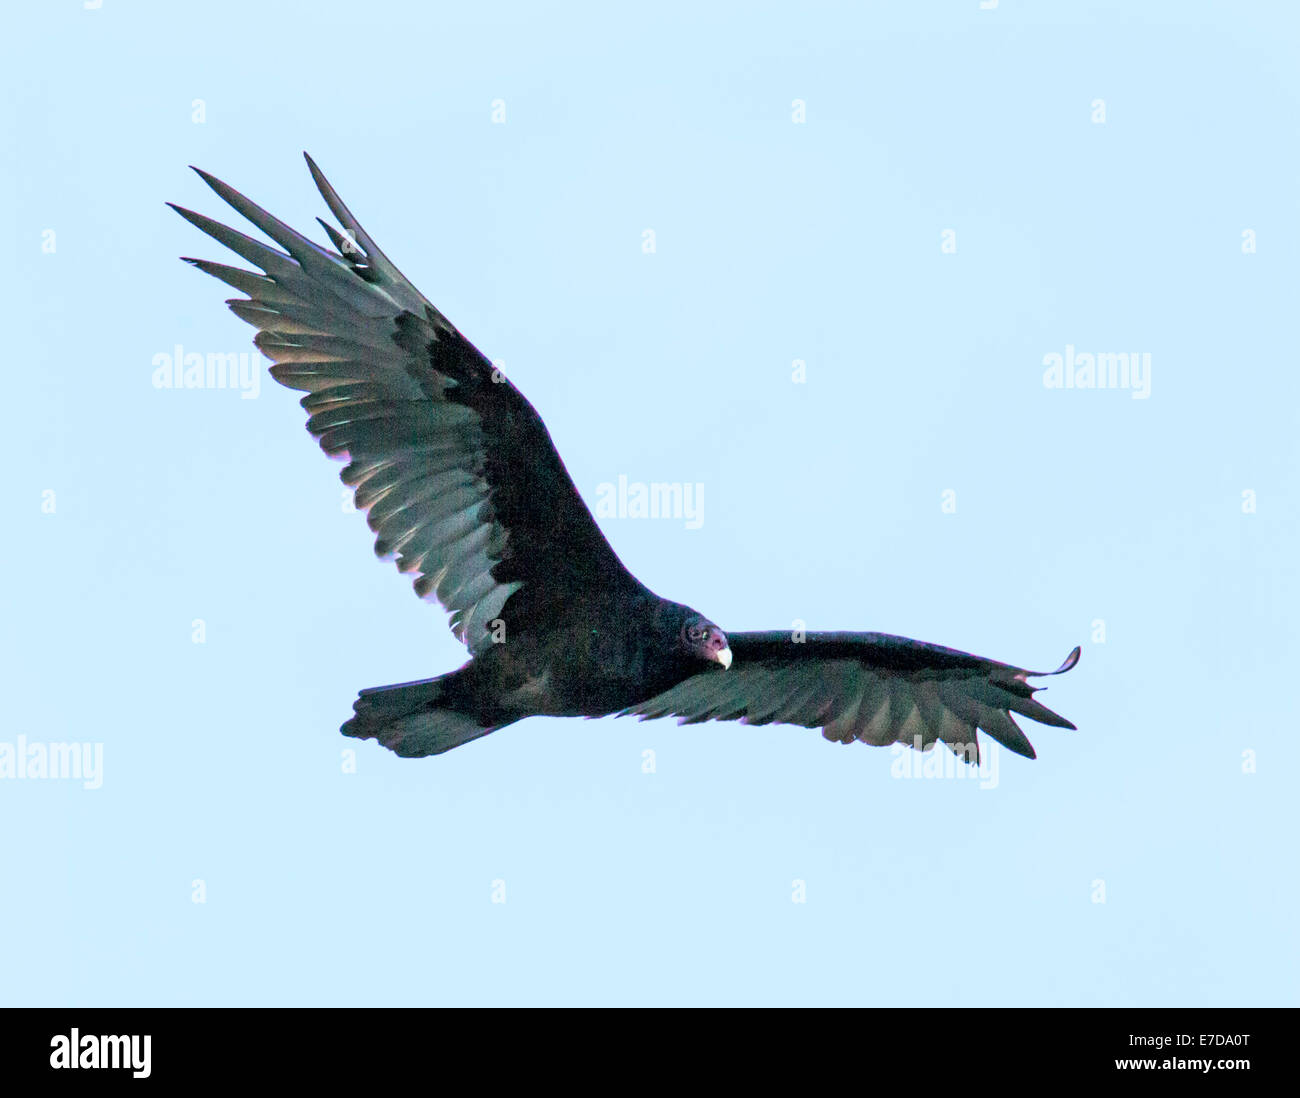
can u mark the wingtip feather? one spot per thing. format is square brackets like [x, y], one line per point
[1070, 661]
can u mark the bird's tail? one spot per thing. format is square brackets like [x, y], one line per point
[413, 718]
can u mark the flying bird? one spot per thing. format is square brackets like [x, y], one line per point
[464, 489]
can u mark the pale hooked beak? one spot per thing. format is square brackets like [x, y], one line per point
[723, 656]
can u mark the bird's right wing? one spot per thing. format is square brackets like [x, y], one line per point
[864, 686]
[455, 469]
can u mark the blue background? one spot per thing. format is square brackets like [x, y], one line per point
[818, 241]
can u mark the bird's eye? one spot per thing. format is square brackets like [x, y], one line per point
[695, 633]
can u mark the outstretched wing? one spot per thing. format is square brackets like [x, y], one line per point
[864, 686]
[454, 468]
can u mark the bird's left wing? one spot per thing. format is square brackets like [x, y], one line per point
[455, 469]
[864, 686]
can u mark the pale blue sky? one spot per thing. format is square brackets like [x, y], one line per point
[776, 241]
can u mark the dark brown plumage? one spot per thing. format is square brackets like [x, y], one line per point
[464, 489]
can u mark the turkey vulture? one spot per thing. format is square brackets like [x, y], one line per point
[462, 485]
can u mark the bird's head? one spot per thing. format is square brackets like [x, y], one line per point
[704, 641]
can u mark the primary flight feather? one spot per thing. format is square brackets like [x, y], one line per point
[464, 489]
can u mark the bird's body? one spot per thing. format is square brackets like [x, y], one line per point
[574, 670]
[580, 669]
[464, 488]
